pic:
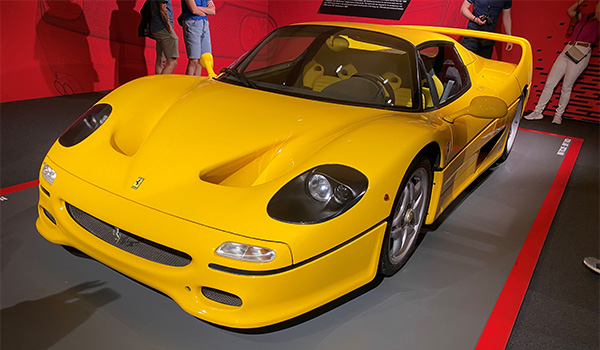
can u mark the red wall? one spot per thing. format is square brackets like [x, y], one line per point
[54, 47]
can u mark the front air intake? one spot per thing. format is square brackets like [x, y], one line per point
[129, 242]
[221, 297]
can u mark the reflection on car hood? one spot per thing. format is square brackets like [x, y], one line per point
[235, 136]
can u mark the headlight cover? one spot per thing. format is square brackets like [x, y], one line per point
[318, 195]
[48, 173]
[89, 122]
[244, 252]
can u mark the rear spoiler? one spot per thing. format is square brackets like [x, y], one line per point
[524, 69]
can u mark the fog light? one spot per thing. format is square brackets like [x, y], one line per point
[343, 193]
[48, 173]
[245, 252]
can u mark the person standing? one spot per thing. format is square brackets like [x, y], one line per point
[167, 42]
[585, 35]
[196, 33]
[484, 17]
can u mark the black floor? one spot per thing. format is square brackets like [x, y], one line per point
[561, 307]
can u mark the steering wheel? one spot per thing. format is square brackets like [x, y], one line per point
[382, 82]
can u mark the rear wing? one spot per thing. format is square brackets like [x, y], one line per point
[524, 69]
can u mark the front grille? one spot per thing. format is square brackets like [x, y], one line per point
[221, 297]
[129, 242]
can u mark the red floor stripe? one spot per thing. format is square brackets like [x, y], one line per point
[502, 319]
[545, 133]
[20, 187]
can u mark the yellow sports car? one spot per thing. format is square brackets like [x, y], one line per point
[297, 175]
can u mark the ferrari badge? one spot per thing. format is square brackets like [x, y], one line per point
[137, 183]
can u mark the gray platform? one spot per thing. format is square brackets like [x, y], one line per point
[440, 300]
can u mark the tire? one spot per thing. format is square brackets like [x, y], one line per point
[512, 132]
[407, 217]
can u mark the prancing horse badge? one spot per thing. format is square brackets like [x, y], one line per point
[137, 183]
[116, 234]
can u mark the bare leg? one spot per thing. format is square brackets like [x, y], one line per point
[170, 66]
[193, 67]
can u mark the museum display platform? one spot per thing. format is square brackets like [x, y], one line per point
[462, 289]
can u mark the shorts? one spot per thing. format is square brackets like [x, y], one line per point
[482, 47]
[196, 36]
[167, 44]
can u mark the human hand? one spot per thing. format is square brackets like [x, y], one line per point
[478, 20]
[509, 46]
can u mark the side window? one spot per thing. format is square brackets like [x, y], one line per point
[445, 71]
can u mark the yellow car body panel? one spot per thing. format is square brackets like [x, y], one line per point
[264, 303]
[190, 163]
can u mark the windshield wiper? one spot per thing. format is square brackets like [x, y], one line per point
[239, 75]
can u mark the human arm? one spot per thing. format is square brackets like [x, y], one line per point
[201, 11]
[573, 10]
[507, 22]
[210, 8]
[465, 11]
[164, 15]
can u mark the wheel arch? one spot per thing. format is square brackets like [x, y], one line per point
[433, 152]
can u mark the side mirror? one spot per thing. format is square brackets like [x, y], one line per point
[485, 107]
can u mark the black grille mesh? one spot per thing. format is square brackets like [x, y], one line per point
[221, 297]
[129, 242]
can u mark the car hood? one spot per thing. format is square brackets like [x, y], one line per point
[234, 136]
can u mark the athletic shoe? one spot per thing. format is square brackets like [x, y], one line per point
[534, 116]
[557, 120]
[592, 263]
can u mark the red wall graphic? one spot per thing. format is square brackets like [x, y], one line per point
[56, 47]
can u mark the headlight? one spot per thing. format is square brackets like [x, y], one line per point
[245, 252]
[318, 195]
[319, 188]
[89, 122]
[48, 173]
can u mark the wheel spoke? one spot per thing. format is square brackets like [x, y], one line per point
[410, 187]
[405, 199]
[418, 202]
[403, 206]
[418, 186]
[418, 196]
[394, 246]
[403, 238]
[410, 233]
[396, 232]
[399, 215]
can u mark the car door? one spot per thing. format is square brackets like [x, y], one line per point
[446, 89]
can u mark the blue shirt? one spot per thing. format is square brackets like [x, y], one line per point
[156, 24]
[493, 8]
[187, 14]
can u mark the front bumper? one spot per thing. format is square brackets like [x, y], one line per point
[229, 298]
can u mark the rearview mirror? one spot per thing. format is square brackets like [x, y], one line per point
[485, 107]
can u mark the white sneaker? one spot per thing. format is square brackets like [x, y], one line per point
[534, 116]
[592, 263]
[557, 120]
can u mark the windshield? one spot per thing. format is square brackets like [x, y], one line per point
[331, 63]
